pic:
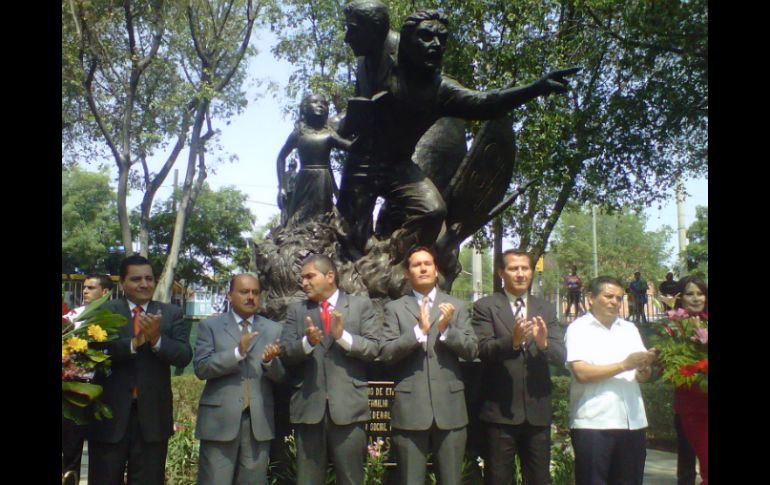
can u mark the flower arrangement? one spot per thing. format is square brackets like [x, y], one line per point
[682, 344]
[80, 362]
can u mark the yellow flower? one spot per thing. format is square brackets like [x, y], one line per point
[64, 352]
[77, 344]
[98, 334]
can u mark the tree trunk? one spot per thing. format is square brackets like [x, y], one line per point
[125, 227]
[190, 191]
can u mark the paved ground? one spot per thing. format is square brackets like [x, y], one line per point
[660, 468]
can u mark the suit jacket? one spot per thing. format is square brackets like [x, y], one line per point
[516, 384]
[220, 406]
[330, 372]
[147, 369]
[428, 383]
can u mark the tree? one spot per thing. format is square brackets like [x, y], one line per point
[697, 251]
[89, 228]
[463, 284]
[623, 246]
[636, 118]
[154, 76]
[214, 247]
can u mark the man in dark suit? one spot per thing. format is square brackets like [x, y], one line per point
[519, 336]
[426, 333]
[326, 342]
[235, 353]
[138, 385]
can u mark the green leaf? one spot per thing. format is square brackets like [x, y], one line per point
[80, 393]
[93, 307]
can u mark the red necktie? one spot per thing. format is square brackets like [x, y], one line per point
[325, 316]
[137, 315]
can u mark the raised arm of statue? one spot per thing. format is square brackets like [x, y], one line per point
[462, 102]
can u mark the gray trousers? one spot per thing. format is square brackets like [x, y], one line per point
[347, 444]
[242, 461]
[446, 446]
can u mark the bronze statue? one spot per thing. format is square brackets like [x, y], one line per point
[410, 95]
[406, 127]
[314, 186]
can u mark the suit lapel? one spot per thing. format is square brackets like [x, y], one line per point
[128, 329]
[256, 327]
[412, 306]
[504, 311]
[435, 312]
[232, 327]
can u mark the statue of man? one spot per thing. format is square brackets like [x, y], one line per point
[409, 95]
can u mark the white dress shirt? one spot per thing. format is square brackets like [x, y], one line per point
[345, 341]
[613, 403]
[421, 336]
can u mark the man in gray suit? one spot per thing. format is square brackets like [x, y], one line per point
[426, 333]
[326, 342]
[235, 353]
[519, 336]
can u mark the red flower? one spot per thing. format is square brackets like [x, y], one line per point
[688, 370]
[64, 309]
[702, 366]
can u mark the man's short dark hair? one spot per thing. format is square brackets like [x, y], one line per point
[104, 281]
[517, 252]
[133, 260]
[595, 285]
[418, 249]
[322, 263]
[253, 275]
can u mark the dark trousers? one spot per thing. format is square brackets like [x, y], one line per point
[72, 438]
[146, 460]
[685, 456]
[531, 443]
[609, 456]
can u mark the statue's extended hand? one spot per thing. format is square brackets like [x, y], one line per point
[556, 82]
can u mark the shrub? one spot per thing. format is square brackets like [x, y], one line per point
[183, 448]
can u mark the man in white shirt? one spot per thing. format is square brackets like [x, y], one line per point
[327, 341]
[608, 360]
[73, 435]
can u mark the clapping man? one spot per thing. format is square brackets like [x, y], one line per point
[138, 387]
[236, 353]
[426, 333]
[326, 343]
[608, 361]
[519, 336]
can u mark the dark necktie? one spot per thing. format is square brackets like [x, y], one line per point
[325, 316]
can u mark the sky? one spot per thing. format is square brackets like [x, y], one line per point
[257, 135]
